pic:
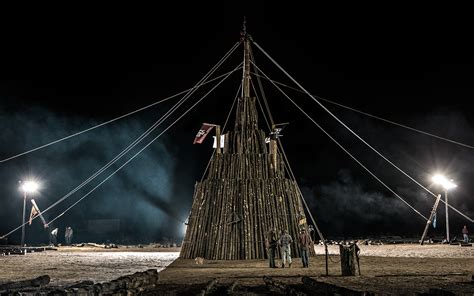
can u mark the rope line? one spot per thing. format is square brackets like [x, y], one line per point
[139, 139]
[345, 150]
[260, 86]
[269, 126]
[146, 146]
[228, 116]
[109, 121]
[355, 134]
[287, 164]
[371, 115]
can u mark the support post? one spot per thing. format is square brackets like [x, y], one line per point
[428, 223]
[23, 221]
[447, 216]
[218, 139]
[347, 260]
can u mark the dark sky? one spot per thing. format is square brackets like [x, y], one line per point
[62, 73]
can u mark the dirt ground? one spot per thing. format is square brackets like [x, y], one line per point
[73, 264]
[386, 269]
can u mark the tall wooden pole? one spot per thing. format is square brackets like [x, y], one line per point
[246, 69]
[428, 223]
[218, 139]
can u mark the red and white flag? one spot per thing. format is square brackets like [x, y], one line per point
[202, 133]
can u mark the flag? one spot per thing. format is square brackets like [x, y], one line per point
[33, 213]
[434, 221]
[276, 132]
[202, 133]
[214, 145]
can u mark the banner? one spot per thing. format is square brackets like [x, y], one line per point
[33, 213]
[202, 133]
[214, 145]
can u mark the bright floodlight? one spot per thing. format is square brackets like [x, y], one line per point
[441, 180]
[29, 186]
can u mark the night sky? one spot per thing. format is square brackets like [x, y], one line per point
[62, 73]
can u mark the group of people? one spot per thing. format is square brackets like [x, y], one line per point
[285, 241]
[53, 236]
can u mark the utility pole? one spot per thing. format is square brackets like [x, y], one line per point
[447, 217]
[23, 221]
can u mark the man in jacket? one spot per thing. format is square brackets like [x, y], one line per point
[304, 242]
[271, 245]
[465, 234]
[285, 242]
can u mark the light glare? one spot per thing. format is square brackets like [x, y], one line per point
[441, 180]
[29, 186]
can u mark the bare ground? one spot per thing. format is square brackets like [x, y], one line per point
[409, 269]
[386, 269]
[72, 264]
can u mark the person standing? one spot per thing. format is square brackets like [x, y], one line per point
[53, 237]
[285, 242]
[304, 242]
[465, 234]
[68, 235]
[271, 245]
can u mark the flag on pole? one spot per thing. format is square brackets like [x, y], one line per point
[33, 213]
[276, 132]
[202, 133]
[434, 221]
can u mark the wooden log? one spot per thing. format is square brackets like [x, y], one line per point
[440, 292]
[231, 289]
[321, 288]
[348, 260]
[36, 282]
[80, 284]
[281, 287]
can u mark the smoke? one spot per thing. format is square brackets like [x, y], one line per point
[143, 195]
[352, 203]
[345, 208]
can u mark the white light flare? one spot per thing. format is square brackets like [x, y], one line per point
[29, 186]
[443, 181]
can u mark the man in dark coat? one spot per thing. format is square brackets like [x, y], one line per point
[271, 246]
[304, 242]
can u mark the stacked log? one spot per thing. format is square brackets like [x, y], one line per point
[244, 195]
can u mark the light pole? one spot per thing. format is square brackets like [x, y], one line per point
[446, 184]
[26, 187]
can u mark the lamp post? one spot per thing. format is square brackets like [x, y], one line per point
[446, 184]
[26, 187]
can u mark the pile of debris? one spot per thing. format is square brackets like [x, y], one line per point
[15, 250]
[134, 284]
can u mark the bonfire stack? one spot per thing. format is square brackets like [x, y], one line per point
[244, 195]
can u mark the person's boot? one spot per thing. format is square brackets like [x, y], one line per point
[283, 265]
[289, 265]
